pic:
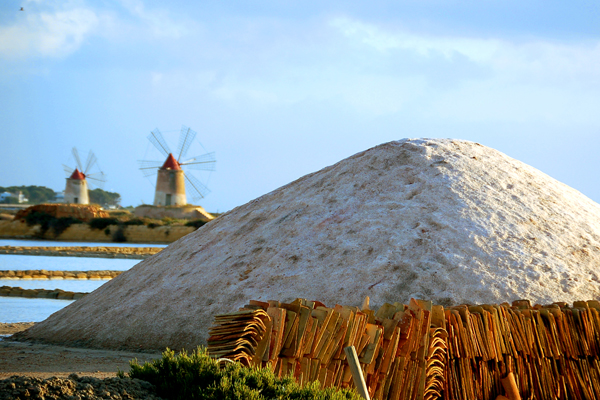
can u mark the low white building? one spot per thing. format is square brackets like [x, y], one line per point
[19, 197]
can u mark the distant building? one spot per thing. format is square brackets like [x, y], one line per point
[20, 197]
[59, 197]
[5, 195]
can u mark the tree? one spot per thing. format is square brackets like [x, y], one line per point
[99, 196]
[35, 194]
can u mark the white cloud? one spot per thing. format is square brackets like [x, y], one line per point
[52, 34]
[537, 79]
[57, 29]
[157, 20]
[479, 50]
[533, 59]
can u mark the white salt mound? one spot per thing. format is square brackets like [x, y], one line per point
[444, 220]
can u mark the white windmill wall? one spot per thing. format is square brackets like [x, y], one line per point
[76, 191]
[170, 188]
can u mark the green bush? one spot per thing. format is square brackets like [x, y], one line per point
[197, 376]
[61, 224]
[39, 218]
[102, 223]
[172, 221]
[196, 223]
[119, 236]
[47, 221]
[134, 221]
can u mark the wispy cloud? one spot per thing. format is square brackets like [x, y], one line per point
[532, 58]
[158, 21]
[48, 34]
[57, 29]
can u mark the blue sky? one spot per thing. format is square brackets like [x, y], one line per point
[279, 89]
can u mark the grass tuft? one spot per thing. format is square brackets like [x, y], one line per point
[198, 376]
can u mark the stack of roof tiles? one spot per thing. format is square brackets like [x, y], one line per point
[421, 350]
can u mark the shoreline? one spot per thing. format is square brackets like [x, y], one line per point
[46, 360]
[138, 253]
[10, 328]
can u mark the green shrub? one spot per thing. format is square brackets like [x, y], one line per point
[172, 221]
[197, 376]
[153, 225]
[47, 221]
[196, 223]
[59, 225]
[39, 218]
[134, 221]
[119, 236]
[102, 223]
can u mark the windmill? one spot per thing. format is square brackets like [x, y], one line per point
[76, 190]
[175, 173]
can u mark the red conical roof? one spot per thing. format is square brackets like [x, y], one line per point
[171, 163]
[77, 175]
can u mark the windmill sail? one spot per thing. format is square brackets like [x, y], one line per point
[156, 138]
[68, 170]
[186, 137]
[198, 189]
[77, 159]
[89, 163]
[205, 162]
[148, 167]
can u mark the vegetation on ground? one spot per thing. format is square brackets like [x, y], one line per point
[59, 225]
[196, 223]
[102, 223]
[104, 198]
[47, 221]
[198, 376]
[35, 194]
[42, 194]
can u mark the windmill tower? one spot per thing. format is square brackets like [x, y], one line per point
[76, 190]
[174, 174]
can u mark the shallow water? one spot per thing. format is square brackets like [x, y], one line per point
[20, 309]
[52, 243]
[75, 285]
[18, 262]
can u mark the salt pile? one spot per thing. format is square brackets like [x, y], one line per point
[443, 220]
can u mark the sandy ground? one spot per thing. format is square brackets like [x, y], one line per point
[45, 361]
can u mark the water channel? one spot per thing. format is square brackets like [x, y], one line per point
[19, 309]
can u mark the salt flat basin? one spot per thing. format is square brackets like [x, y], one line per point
[20, 309]
[17, 262]
[76, 285]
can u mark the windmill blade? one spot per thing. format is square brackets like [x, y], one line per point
[149, 172]
[68, 170]
[148, 167]
[205, 162]
[97, 179]
[156, 138]
[77, 159]
[196, 188]
[97, 176]
[148, 164]
[186, 137]
[89, 163]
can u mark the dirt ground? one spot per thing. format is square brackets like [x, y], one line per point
[45, 361]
